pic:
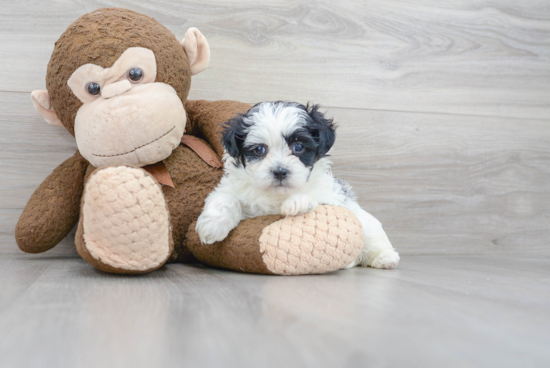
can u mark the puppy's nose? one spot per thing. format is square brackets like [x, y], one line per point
[280, 173]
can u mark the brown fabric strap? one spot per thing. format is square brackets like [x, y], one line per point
[160, 172]
[202, 149]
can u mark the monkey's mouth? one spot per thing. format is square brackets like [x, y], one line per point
[135, 149]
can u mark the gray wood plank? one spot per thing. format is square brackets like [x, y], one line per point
[439, 183]
[448, 183]
[465, 57]
[29, 150]
[433, 311]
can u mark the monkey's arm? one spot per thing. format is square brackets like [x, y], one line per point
[205, 119]
[324, 240]
[53, 208]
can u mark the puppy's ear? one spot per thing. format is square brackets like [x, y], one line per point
[234, 134]
[323, 130]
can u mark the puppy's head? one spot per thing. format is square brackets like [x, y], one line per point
[278, 143]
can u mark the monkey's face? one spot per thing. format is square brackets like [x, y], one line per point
[126, 118]
[118, 81]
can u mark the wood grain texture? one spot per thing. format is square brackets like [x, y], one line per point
[488, 57]
[436, 311]
[449, 183]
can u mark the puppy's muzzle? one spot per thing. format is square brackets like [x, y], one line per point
[280, 174]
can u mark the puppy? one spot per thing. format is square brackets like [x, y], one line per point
[275, 163]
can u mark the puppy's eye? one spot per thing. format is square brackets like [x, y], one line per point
[260, 150]
[93, 88]
[135, 74]
[297, 147]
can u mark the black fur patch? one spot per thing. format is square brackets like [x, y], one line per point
[322, 130]
[235, 131]
[318, 135]
[309, 155]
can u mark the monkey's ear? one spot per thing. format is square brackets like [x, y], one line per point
[42, 104]
[196, 47]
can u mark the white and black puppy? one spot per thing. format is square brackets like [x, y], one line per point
[275, 163]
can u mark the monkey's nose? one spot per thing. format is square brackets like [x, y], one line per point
[115, 89]
[280, 173]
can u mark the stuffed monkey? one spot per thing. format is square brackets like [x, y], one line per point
[118, 82]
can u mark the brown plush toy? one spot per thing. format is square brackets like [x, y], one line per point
[118, 81]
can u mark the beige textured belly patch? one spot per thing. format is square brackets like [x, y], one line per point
[125, 219]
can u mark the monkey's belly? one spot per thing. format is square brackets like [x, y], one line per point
[124, 225]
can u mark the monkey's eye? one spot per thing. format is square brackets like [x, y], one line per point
[260, 150]
[135, 74]
[297, 148]
[93, 88]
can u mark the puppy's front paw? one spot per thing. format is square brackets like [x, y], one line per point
[211, 229]
[298, 204]
[388, 258]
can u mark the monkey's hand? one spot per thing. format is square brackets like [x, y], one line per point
[54, 207]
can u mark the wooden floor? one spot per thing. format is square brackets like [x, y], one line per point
[444, 131]
[434, 311]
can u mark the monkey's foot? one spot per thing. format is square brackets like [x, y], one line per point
[124, 224]
[324, 240]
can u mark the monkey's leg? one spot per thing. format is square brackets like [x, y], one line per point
[320, 241]
[52, 210]
[206, 119]
[124, 224]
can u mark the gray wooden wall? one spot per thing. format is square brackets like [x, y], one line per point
[443, 106]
